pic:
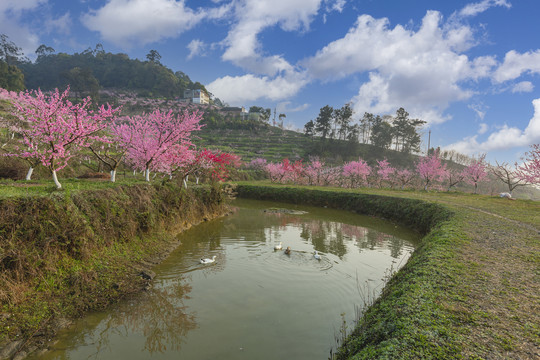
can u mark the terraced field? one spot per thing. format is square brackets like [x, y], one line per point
[270, 143]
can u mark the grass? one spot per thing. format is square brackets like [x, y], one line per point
[80, 248]
[470, 291]
[45, 187]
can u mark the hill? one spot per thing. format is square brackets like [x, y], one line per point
[95, 69]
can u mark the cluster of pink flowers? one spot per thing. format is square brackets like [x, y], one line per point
[429, 172]
[52, 129]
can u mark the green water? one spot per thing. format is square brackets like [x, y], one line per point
[253, 302]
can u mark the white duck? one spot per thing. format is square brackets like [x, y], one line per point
[208, 261]
[278, 247]
[316, 255]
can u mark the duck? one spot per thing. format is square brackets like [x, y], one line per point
[288, 250]
[278, 247]
[208, 261]
[316, 255]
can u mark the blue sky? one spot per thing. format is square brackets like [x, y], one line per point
[471, 69]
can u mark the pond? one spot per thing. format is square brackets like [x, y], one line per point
[253, 302]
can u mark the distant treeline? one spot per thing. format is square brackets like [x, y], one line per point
[89, 71]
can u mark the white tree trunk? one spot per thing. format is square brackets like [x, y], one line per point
[55, 179]
[197, 180]
[29, 173]
[113, 175]
[185, 182]
[147, 175]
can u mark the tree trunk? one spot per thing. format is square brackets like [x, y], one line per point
[29, 173]
[147, 175]
[113, 175]
[55, 179]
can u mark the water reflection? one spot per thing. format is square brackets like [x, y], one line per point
[252, 297]
[332, 237]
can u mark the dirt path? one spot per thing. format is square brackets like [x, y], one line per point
[501, 312]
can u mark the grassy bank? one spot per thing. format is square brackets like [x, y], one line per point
[63, 253]
[471, 290]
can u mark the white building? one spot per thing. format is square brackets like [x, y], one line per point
[197, 96]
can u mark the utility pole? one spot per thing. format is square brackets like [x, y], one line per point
[428, 141]
[274, 121]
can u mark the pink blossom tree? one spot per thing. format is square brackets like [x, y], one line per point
[177, 159]
[12, 125]
[384, 172]
[509, 175]
[476, 172]
[154, 134]
[404, 177]
[314, 171]
[530, 170]
[55, 127]
[356, 172]
[275, 171]
[430, 169]
[114, 152]
[257, 164]
[453, 177]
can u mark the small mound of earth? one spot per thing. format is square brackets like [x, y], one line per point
[285, 211]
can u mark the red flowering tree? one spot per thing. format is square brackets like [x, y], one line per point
[214, 163]
[55, 128]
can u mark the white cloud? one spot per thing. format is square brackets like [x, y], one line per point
[252, 17]
[284, 107]
[196, 48]
[124, 22]
[479, 109]
[479, 7]
[505, 138]
[524, 86]
[241, 89]
[61, 24]
[483, 128]
[10, 15]
[335, 5]
[16, 6]
[422, 71]
[516, 64]
[272, 76]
